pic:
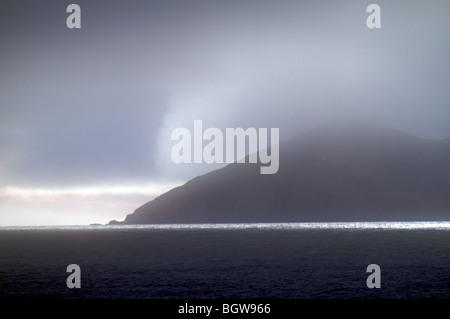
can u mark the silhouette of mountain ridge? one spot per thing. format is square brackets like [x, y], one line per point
[340, 172]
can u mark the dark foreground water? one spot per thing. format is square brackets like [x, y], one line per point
[228, 261]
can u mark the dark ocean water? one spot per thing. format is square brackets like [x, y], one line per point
[227, 261]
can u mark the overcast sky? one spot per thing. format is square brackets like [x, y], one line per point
[86, 114]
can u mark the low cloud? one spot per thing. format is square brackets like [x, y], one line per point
[97, 105]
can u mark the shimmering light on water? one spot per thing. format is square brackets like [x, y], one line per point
[428, 225]
[286, 260]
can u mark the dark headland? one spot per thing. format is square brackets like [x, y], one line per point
[347, 172]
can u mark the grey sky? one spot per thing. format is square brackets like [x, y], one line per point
[97, 105]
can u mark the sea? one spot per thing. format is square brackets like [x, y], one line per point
[228, 261]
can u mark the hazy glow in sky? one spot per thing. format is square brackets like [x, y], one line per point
[80, 205]
[149, 190]
[96, 106]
